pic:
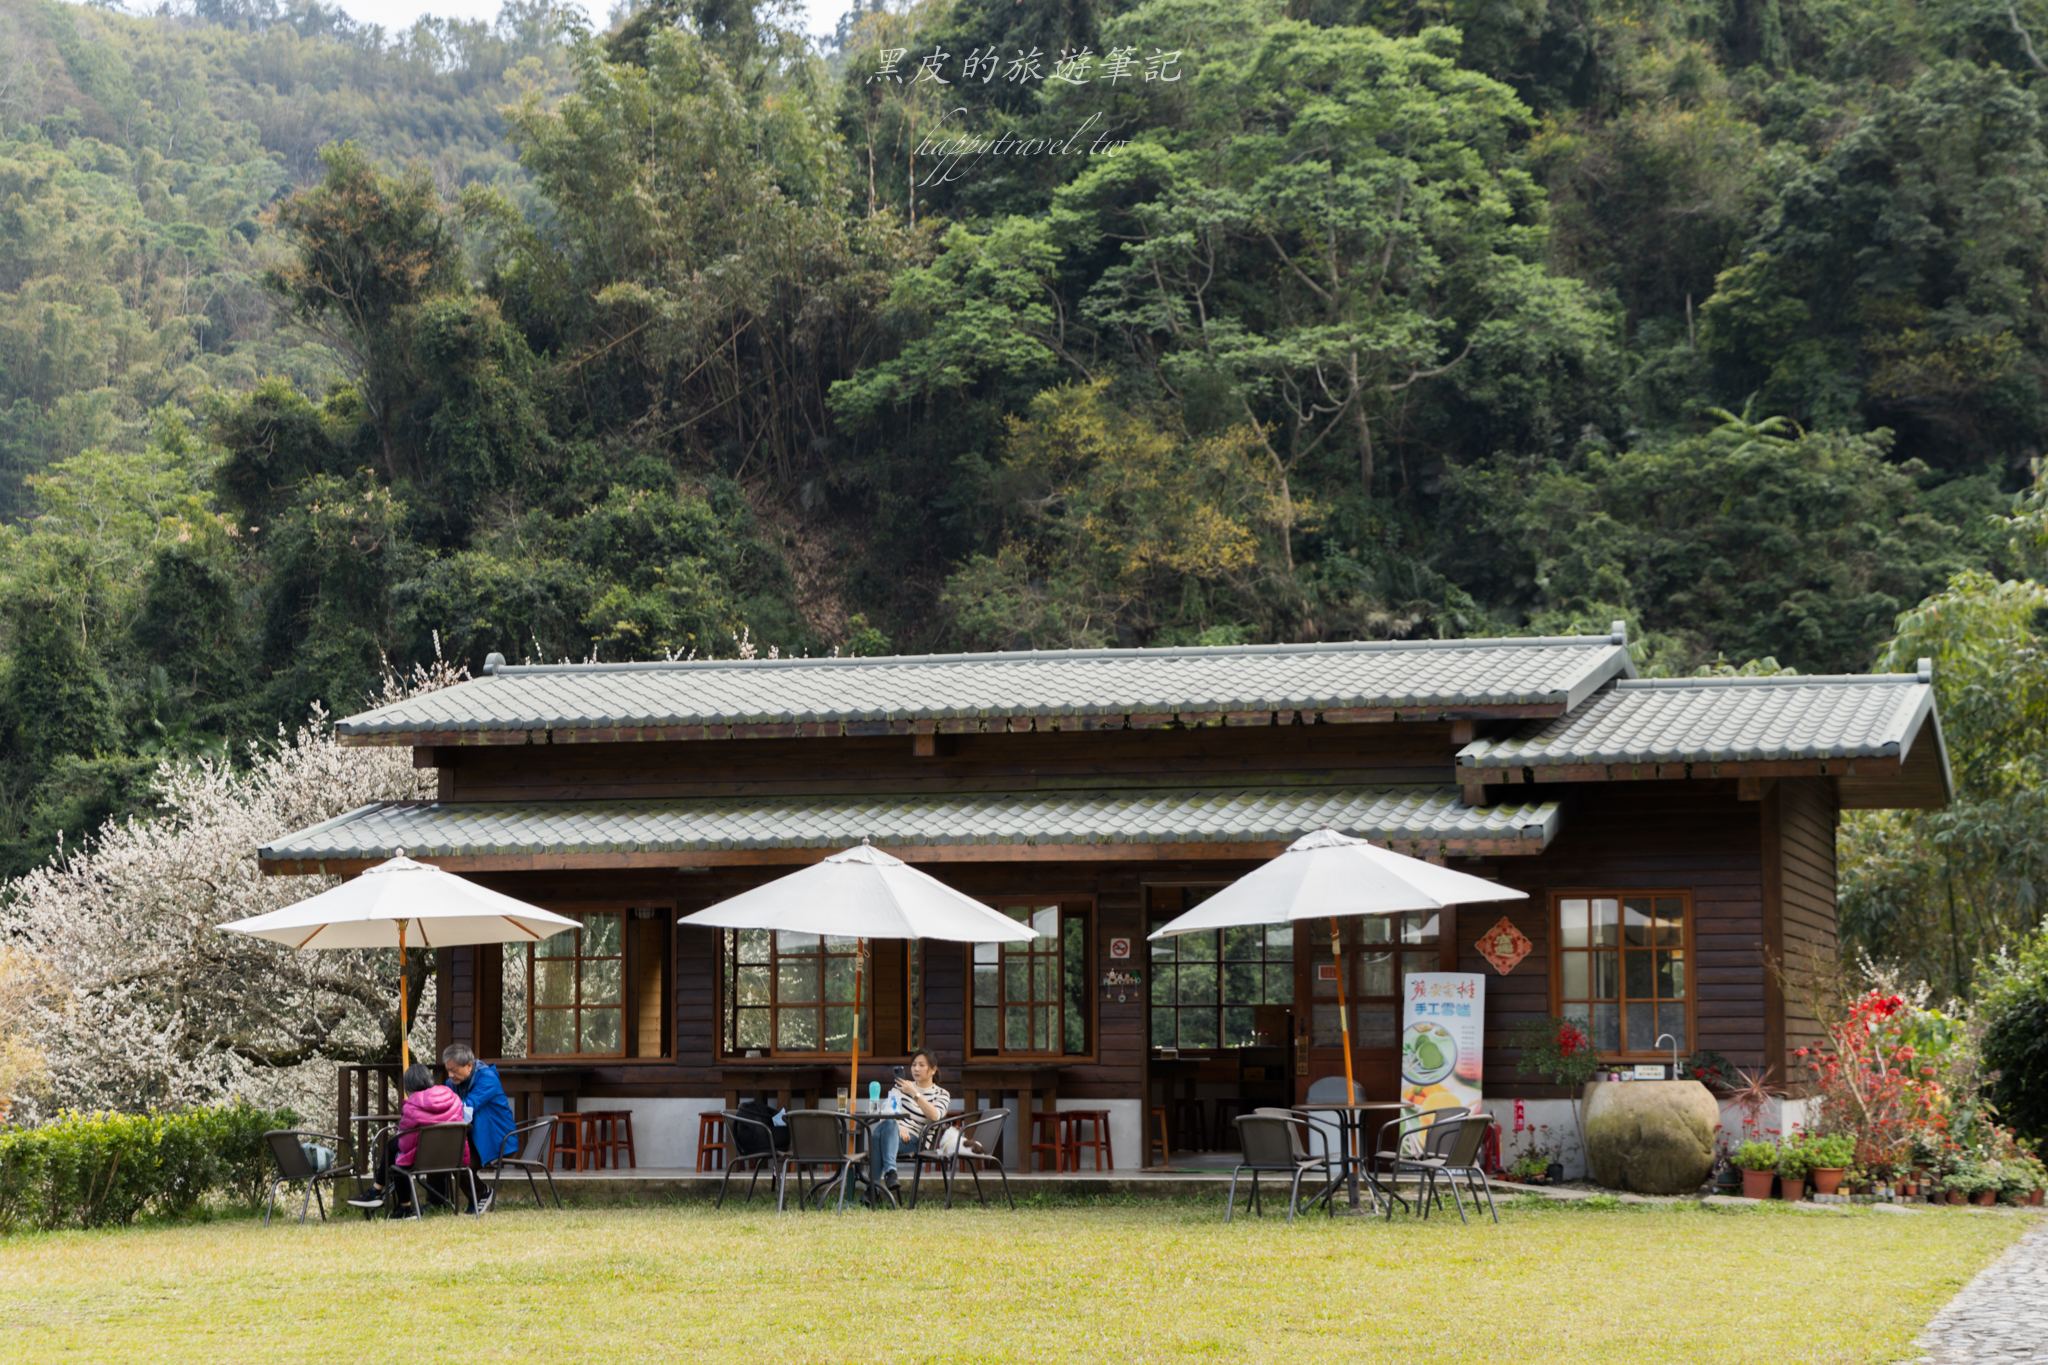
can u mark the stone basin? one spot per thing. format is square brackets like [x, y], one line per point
[1650, 1137]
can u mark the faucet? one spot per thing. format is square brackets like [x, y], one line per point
[1674, 1052]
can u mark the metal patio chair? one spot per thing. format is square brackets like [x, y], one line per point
[970, 1126]
[1282, 1142]
[820, 1141]
[529, 1155]
[294, 1167]
[439, 1152]
[1450, 1151]
[770, 1158]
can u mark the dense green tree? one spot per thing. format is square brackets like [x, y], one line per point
[367, 249]
[329, 564]
[54, 699]
[1750, 539]
[1936, 889]
[1899, 280]
[2014, 1011]
[1122, 530]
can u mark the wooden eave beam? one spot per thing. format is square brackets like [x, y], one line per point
[952, 725]
[934, 853]
[1860, 768]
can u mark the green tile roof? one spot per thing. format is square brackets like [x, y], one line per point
[1417, 815]
[1723, 720]
[1418, 676]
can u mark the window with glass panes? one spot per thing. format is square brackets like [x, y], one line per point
[577, 1000]
[791, 993]
[1621, 968]
[1381, 950]
[1207, 988]
[1031, 998]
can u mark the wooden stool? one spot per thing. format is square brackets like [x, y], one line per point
[711, 1146]
[1160, 1146]
[1049, 1135]
[571, 1142]
[611, 1137]
[1096, 1123]
[1190, 1122]
[1224, 1124]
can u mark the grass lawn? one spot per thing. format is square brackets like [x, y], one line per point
[1135, 1280]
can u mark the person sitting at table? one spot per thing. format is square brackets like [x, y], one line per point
[426, 1102]
[484, 1104]
[922, 1102]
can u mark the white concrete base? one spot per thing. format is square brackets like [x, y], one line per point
[664, 1130]
[1126, 1128]
[1774, 1121]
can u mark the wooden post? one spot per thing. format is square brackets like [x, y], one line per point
[1343, 1012]
[404, 1025]
[860, 949]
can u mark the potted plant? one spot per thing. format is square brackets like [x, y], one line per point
[1792, 1169]
[1727, 1177]
[1532, 1167]
[1558, 1050]
[1758, 1162]
[2015, 1181]
[1962, 1184]
[1827, 1159]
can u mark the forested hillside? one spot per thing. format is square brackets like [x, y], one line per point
[321, 347]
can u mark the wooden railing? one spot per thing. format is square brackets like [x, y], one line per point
[364, 1089]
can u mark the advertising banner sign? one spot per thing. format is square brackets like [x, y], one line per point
[1443, 1021]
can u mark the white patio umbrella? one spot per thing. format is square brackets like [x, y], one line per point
[860, 894]
[401, 902]
[1327, 875]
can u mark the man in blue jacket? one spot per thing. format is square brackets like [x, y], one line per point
[484, 1100]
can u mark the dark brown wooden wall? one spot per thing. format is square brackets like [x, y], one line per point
[1672, 835]
[1694, 836]
[1807, 943]
[1115, 890]
[1244, 756]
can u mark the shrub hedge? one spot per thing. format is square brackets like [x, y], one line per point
[100, 1170]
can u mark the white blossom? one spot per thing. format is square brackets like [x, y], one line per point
[142, 1001]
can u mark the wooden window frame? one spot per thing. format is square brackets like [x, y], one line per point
[728, 965]
[1621, 949]
[1085, 908]
[624, 1006]
[1357, 998]
[1218, 1006]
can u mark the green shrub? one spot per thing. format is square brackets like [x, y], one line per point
[1756, 1156]
[1835, 1152]
[99, 1170]
[2014, 1010]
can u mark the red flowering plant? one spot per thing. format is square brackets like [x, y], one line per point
[1887, 1078]
[1558, 1050]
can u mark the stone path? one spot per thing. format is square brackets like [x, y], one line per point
[2001, 1315]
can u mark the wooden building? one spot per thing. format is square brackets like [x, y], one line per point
[1676, 839]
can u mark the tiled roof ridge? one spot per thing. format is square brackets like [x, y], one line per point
[495, 666]
[1779, 680]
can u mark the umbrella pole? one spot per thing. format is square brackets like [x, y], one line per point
[860, 950]
[404, 1024]
[1343, 1012]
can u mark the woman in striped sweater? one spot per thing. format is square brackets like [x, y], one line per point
[922, 1101]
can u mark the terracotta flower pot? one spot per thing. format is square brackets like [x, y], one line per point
[1956, 1196]
[1757, 1184]
[2035, 1197]
[1828, 1179]
[1790, 1190]
[1986, 1197]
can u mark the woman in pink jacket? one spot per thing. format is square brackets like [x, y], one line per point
[425, 1103]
